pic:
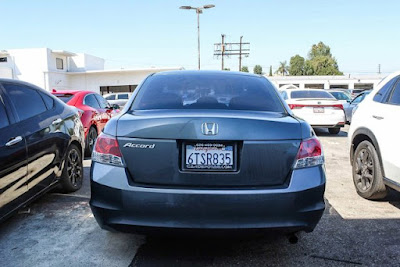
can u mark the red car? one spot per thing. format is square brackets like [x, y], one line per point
[95, 112]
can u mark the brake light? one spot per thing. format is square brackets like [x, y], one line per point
[293, 106]
[106, 151]
[310, 154]
[338, 106]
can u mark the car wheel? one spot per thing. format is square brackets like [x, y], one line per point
[72, 176]
[90, 141]
[334, 130]
[367, 172]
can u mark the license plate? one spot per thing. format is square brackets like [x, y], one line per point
[209, 156]
[319, 110]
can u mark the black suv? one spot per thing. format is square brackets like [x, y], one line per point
[41, 144]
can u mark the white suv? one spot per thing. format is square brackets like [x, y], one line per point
[374, 137]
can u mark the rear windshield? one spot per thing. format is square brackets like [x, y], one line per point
[64, 97]
[208, 91]
[340, 96]
[310, 94]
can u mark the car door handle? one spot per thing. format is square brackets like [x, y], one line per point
[14, 141]
[57, 121]
[377, 117]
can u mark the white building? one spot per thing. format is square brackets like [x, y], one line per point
[63, 70]
[328, 82]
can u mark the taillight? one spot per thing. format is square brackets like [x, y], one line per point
[338, 106]
[310, 154]
[294, 106]
[106, 150]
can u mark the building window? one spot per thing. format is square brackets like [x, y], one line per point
[59, 63]
[3, 59]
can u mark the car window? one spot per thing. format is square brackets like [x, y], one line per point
[310, 94]
[383, 93]
[340, 95]
[102, 102]
[27, 101]
[110, 97]
[48, 100]
[359, 98]
[3, 115]
[91, 101]
[395, 97]
[208, 91]
[123, 96]
[64, 97]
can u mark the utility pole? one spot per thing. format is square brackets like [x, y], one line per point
[379, 68]
[240, 54]
[224, 49]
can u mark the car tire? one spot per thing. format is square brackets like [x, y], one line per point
[334, 130]
[367, 172]
[72, 175]
[90, 141]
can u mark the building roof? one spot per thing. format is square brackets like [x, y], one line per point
[63, 53]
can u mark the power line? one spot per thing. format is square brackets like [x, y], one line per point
[231, 49]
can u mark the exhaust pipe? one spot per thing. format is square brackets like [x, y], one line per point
[293, 238]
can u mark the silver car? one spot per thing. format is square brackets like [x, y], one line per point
[207, 150]
[353, 104]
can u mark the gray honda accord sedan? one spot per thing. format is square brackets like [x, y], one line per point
[207, 150]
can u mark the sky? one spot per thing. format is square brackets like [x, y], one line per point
[133, 34]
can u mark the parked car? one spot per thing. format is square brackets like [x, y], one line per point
[356, 92]
[239, 162]
[342, 96]
[94, 109]
[353, 105]
[318, 107]
[41, 145]
[374, 140]
[119, 99]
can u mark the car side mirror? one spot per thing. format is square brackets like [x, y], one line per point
[348, 101]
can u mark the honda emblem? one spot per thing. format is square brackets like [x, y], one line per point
[209, 128]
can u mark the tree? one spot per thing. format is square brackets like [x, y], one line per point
[321, 62]
[257, 69]
[244, 69]
[227, 69]
[270, 71]
[319, 49]
[283, 68]
[296, 67]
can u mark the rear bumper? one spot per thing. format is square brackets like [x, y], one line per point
[119, 206]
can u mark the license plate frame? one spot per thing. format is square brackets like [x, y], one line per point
[319, 110]
[209, 168]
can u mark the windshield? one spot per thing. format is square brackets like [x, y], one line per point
[340, 96]
[64, 97]
[310, 94]
[208, 91]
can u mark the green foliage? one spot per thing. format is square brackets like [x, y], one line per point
[296, 67]
[320, 62]
[227, 69]
[270, 71]
[244, 69]
[257, 69]
[283, 68]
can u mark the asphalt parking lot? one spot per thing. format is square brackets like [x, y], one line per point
[59, 230]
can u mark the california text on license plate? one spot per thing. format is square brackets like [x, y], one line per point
[211, 156]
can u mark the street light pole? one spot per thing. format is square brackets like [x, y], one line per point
[199, 10]
[198, 36]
